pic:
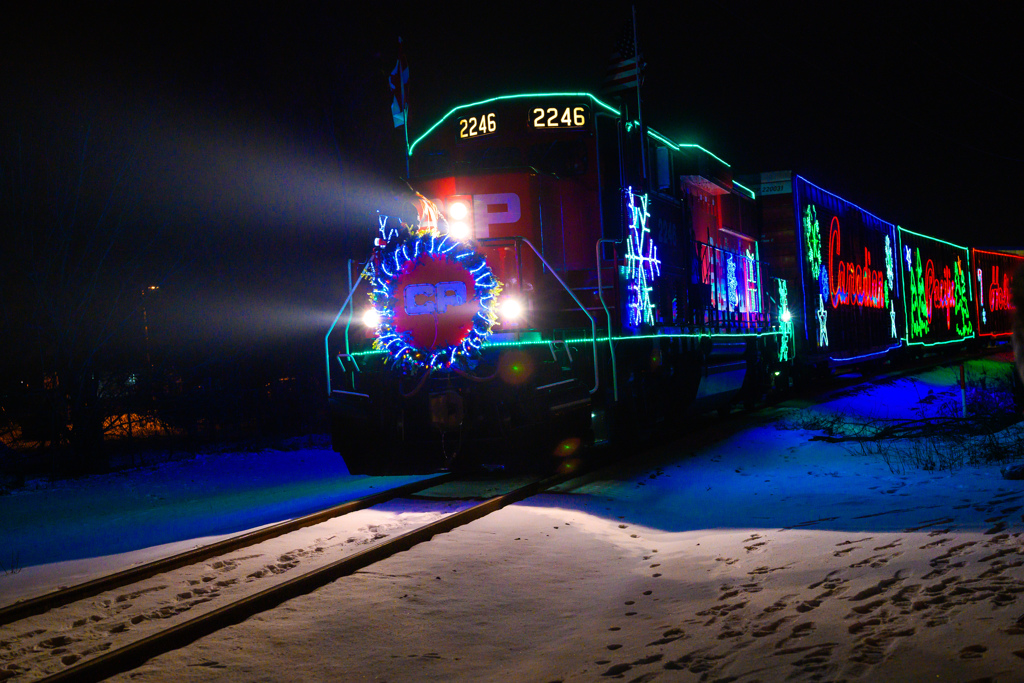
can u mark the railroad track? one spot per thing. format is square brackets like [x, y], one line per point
[136, 653]
[43, 603]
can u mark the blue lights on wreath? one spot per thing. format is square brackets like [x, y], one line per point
[421, 293]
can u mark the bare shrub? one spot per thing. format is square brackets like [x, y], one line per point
[943, 440]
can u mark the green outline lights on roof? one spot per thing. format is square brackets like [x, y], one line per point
[597, 102]
[481, 103]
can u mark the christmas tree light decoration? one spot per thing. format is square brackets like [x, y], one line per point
[822, 322]
[812, 235]
[436, 300]
[786, 321]
[641, 267]
[964, 327]
[890, 275]
[920, 312]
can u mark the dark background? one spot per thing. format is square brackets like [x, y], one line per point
[234, 154]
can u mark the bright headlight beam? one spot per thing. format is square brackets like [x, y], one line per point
[511, 309]
[371, 318]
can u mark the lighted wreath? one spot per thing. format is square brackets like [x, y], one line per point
[435, 298]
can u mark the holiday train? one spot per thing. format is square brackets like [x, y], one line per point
[565, 277]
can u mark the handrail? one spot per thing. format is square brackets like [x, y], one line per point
[607, 314]
[351, 291]
[593, 325]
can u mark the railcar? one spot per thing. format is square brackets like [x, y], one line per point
[570, 277]
[939, 301]
[869, 290]
[994, 273]
[847, 301]
[994, 311]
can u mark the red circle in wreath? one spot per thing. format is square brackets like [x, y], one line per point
[436, 302]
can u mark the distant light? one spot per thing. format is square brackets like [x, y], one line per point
[371, 318]
[458, 211]
[786, 317]
[459, 230]
[152, 287]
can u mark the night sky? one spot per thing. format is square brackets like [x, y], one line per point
[259, 135]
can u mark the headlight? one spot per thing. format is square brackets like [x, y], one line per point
[458, 229]
[459, 212]
[371, 318]
[511, 310]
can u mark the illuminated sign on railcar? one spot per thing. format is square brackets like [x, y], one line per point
[852, 282]
[994, 272]
[850, 288]
[938, 290]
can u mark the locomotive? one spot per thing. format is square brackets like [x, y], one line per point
[570, 276]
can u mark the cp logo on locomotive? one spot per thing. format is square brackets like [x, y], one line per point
[425, 298]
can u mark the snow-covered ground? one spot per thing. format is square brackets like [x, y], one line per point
[748, 552]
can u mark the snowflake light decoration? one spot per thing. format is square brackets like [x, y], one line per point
[642, 264]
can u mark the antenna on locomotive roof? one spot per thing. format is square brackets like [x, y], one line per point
[639, 106]
[625, 73]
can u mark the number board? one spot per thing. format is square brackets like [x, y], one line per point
[477, 125]
[570, 116]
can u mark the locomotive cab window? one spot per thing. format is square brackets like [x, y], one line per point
[563, 158]
[497, 156]
[432, 162]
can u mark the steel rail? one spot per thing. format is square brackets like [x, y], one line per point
[139, 652]
[64, 596]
